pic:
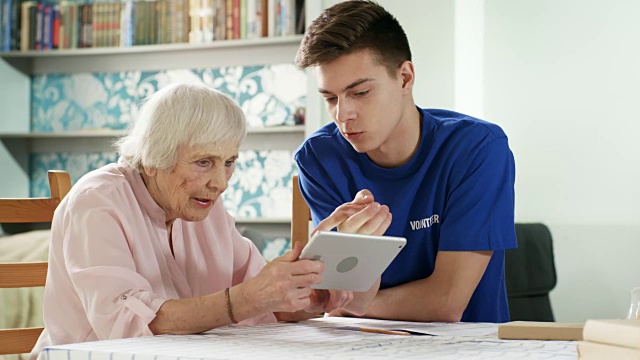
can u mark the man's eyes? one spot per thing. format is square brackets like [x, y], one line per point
[333, 99]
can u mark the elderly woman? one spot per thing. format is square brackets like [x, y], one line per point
[143, 247]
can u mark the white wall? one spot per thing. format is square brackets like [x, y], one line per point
[430, 28]
[561, 77]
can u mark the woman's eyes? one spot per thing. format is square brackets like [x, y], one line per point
[205, 163]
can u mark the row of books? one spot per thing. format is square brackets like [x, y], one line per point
[610, 339]
[44, 25]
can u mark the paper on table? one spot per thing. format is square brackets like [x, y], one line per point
[431, 328]
[313, 339]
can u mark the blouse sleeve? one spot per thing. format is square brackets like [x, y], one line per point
[118, 302]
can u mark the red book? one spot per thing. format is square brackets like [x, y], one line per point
[55, 41]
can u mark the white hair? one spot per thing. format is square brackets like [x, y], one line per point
[177, 115]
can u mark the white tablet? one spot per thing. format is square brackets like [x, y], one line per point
[353, 261]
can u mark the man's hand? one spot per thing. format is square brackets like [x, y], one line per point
[361, 216]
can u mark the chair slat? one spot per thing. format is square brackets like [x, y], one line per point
[16, 275]
[27, 210]
[18, 341]
[300, 215]
[59, 183]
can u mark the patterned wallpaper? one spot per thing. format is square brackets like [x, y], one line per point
[269, 96]
[259, 187]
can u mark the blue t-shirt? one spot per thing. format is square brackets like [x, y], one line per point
[455, 194]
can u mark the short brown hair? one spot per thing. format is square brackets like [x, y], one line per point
[352, 26]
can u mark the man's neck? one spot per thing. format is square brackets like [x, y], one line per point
[403, 142]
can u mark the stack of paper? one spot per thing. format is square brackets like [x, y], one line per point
[610, 339]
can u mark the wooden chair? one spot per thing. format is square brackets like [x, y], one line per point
[300, 215]
[18, 275]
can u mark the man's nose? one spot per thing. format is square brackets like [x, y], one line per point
[344, 110]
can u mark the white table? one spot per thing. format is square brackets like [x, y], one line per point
[321, 339]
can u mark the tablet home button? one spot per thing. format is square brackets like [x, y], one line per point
[347, 264]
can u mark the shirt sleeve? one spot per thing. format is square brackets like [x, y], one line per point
[479, 213]
[324, 199]
[118, 302]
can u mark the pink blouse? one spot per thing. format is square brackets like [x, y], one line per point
[111, 268]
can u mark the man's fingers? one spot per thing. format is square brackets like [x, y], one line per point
[357, 223]
[363, 196]
[373, 223]
[383, 226]
[338, 216]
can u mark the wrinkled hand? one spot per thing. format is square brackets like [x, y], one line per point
[361, 216]
[284, 284]
[328, 300]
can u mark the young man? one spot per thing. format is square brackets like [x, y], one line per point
[447, 178]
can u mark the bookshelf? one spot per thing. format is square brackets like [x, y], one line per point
[19, 68]
[17, 142]
[155, 57]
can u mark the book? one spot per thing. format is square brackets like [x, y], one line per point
[537, 330]
[588, 350]
[613, 332]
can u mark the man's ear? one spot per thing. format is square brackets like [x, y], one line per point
[408, 76]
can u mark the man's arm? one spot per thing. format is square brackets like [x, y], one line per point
[443, 296]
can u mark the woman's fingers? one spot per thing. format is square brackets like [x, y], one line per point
[338, 299]
[291, 255]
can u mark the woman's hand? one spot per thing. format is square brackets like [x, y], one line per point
[283, 285]
[328, 300]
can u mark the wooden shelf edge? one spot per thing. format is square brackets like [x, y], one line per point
[117, 133]
[159, 48]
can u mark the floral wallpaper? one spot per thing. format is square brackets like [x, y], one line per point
[260, 185]
[268, 94]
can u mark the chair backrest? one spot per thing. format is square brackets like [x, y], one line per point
[300, 215]
[530, 274]
[23, 275]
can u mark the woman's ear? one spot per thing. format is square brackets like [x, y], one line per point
[150, 171]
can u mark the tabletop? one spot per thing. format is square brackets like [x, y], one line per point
[325, 338]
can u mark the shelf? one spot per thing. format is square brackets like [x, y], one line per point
[156, 57]
[106, 133]
[159, 48]
[286, 137]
